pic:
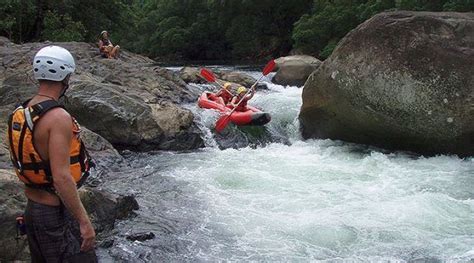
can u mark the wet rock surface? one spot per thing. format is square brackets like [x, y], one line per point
[141, 236]
[105, 208]
[401, 80]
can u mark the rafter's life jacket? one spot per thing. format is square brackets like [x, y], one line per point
[30, 168]
[225, 95]
[243, 104]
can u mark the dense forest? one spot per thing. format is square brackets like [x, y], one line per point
[204, 29]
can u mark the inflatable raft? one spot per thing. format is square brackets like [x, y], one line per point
[252, 116]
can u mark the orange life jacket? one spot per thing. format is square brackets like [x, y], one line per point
[30, 168]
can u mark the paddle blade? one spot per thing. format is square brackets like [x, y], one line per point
[269, 67]
[222, 122]
[207, 74]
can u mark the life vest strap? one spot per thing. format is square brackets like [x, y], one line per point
[38, 110]
[28, 119]
[31, 115]
[20, 147]
[46, 187]
[36, 166]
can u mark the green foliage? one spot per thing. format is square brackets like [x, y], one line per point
[330, 20]
[17, 19]
[66, 20]
[204, 29]
[62, 28]
[459, 5]
[328, 49]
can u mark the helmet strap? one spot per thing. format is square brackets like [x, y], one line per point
[66, 86]
[63, 91]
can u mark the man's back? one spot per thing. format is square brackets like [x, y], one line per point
[55, 121]
[50, 158]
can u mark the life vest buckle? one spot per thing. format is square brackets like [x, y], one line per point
[19, 167]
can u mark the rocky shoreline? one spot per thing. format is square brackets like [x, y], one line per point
[128, 103]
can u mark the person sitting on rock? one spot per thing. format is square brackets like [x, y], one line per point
[225, 95]
[242, 95]
[107, 49]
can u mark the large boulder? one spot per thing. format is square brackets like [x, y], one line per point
[103, 154]
[295, 70]
[401, 80]
[105, 208]
[113, 98]
[192, 75]
[236, 77]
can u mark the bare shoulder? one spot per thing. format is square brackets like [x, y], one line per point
[57, 118]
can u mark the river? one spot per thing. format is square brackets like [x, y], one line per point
[279, 198]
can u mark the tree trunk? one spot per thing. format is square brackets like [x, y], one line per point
[39, 20]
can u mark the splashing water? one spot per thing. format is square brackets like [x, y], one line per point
[297, 200]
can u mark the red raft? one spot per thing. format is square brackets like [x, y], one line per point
[252, 116]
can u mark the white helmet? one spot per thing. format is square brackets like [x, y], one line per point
[53, 63]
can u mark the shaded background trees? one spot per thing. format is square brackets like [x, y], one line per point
[319, 31]
[204, 29]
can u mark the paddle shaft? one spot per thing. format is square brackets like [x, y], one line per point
[242, 99]
[255, 84]
[223, 121]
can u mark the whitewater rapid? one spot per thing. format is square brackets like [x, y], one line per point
[297, 201]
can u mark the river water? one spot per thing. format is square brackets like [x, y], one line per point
[279, 198]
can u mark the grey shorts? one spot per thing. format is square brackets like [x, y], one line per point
[54, 235]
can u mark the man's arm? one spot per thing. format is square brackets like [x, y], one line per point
[101, 45]
[234, 101]
[250, 96]
[60, 136]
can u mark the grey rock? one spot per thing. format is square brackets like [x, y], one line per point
[236, 77]
[141, 236]
[401, 80]
[294, 70]
[5, 162]
[192, 75]
[13, 203]
[107, 243]
[105, 208]
[103, 154]
[113, 98]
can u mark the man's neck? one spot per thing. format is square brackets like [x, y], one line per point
[50, 90]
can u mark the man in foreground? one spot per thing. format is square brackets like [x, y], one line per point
[50, 158]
